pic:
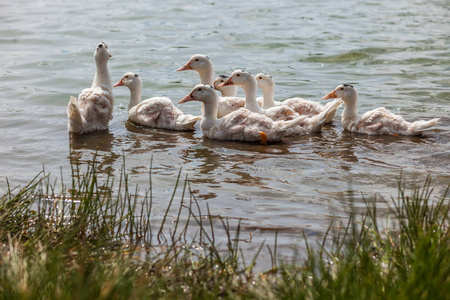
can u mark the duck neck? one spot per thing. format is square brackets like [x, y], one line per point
[135, 96]
[207, 75]
[102, 78]
[268, 97]
[229, 91]
[250, 98]
[351, 108]
[209, 117]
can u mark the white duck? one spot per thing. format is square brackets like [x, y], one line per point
[379, 121]
[305, 124]
[299, 105]
[240, 125]
[226, 91]
[93, 109]
[156, 112]
[205, 68]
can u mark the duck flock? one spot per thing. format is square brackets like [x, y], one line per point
[227, 117]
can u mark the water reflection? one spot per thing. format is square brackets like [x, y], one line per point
[150, 139]
[98, 140]
[84, 146]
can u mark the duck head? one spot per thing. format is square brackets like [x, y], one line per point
[219, 80]
[201, 92]
[197, 62]
[240, 78]
[230, 90]
[344, 91]
[264, 81]
[102, 54]
[129, 80]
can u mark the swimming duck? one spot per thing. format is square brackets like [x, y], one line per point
[240, 125]
[379, 121]
[156, 112]
[248, 83]
[305, 124]
[205, 68]
[93, 109]
[299, 105]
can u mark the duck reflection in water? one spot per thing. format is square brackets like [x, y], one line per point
[100, 144]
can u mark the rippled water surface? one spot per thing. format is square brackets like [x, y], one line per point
[396, 53]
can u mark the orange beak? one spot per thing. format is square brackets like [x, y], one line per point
[120, 83]
[185, 67]
[186, 99]
[228, 82]
[330, 95]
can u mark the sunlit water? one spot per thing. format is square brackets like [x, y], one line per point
[396, 53]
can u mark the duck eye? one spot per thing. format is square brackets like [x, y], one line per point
[341, 89]
[199, 90]
[260, 77]
[100, 45]
[196, 59]
[136, 75]
[238, 75]
[126, 76]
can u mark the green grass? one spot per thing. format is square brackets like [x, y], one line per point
[88, 242]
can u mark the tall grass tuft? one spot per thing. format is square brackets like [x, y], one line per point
[100, 239]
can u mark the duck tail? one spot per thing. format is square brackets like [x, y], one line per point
[187, 122]
[331, 108]
[326, 115]
[75, 118]
[418, 127]
[328, 112]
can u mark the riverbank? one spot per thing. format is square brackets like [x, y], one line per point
[85, 241]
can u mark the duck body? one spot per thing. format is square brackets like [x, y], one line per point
[156, 112]
[205, 68]
[93, 109]
[378, 121]
[227, 105]
[299, 105]
[305, 124]
[240, 125]
[243, 125]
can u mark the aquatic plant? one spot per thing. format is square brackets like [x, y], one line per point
[97, 240]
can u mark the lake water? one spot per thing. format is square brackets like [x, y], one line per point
[396, 53]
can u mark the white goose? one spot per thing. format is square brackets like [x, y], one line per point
[281, 112]
[299, 105]
[379, 121]
[156, 112]
[240, 125]
[205, 68]
[93, 109]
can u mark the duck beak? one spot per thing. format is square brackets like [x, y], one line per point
[228, 82]
[330, 95]
[185, 67]
[186, 99]
[120, 83]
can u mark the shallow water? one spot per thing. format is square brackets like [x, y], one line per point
[395, 53]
